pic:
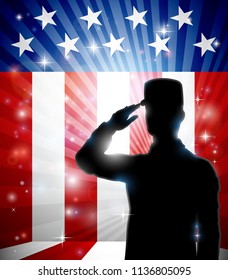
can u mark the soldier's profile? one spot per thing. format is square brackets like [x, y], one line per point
[169, 189]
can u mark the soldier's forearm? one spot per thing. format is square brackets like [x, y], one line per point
[91, 153]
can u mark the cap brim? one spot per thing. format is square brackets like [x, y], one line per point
[143, 102]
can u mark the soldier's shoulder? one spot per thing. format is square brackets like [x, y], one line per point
[205, 167]
[200, 162]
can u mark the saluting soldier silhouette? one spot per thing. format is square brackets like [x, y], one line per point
[169, 189]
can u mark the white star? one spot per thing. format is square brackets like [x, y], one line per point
[46, 18]
[114, 44]
[23, 44]
[160, 44]
[69, 44]
[92, 18]
[205, 44]
[137, 18]
[182, 18]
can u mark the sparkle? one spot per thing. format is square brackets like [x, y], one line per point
[72, 180]
[198, 100]
[24, 235]
[62, 238]
[12, 197]
[93, 47]
[216, 44]
[16, 237]
[23, 128]
[205, 136]
[16, 134]
[71, 212]
[7, 101]
[79, 252]
[197, 235]
[13, 210]
[22, 183]
[19, 17]
[15, 68]
[214, 161]
[123, 215]
[44, 62]
[164, 30]
[68, 212]
[207, 90]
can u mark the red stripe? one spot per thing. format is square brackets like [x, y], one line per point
[15, 158]
[65, 251]
[81, 189]
[212, 116]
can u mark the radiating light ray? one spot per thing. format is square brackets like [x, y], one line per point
[72, 83]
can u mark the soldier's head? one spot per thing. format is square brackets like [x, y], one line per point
[163, 100]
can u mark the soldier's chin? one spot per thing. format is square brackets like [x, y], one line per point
[151, 130]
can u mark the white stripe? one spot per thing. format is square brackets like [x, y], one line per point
[48, 156]
[110, 251]
[112, 95]
[187, 129]
[24, 250]
[107, 251]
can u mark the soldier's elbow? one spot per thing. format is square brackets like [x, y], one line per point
[83, 162]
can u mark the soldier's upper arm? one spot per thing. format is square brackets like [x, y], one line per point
[114, 167]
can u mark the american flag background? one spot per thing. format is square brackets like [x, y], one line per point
[65, 67]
